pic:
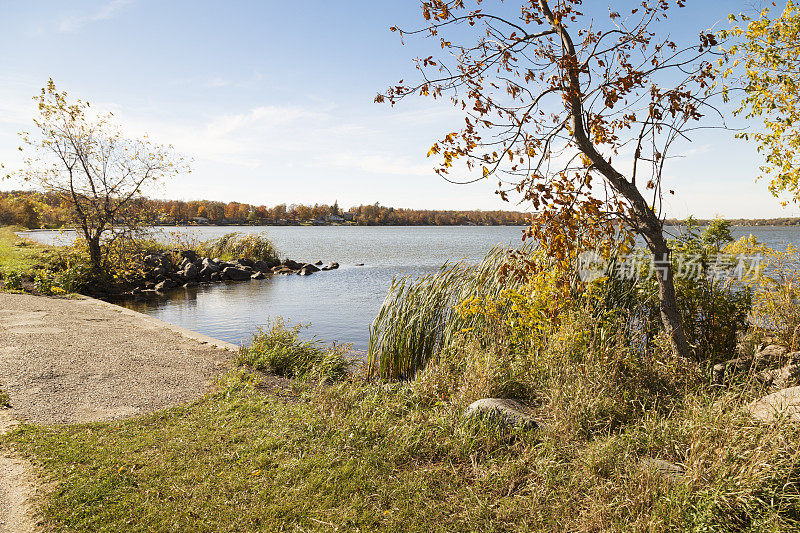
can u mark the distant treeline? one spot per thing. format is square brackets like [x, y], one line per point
[36, 209]
[742, 222]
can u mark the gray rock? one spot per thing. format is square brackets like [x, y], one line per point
[216, 277]
[294, 265]
[261, 266]
[507, 412]
[207, 271]
[784, 403]
[190, 255]
[359, 264]
[318, 263]
[210, 265]
[191, 271]
[236, 274]
[771, 352]
[166, 285]
[723, 373]
[257, 275]
[310, 268]
[245, 262]
[780, 378]
[665, 468]
[306, 272]
[333, 266]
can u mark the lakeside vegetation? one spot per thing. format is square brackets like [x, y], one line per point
[328, 449]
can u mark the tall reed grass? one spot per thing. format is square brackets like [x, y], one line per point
[419, 318]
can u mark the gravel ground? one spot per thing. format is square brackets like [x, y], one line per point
[66, 360]
[80, 360]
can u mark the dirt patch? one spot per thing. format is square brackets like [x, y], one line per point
[17, 488]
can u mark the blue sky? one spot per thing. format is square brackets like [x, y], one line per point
[273, 100]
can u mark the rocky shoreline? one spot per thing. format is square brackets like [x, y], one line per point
[162, 273]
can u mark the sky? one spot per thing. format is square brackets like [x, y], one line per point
[272, 100]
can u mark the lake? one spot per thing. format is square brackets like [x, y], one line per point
[338, 305]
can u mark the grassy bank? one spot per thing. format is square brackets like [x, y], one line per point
[21, 255]
[358, 457]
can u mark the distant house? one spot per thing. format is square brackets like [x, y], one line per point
[335, 218]
[200, 220]
[349, 216]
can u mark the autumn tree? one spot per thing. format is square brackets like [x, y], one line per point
[765, 59]
[97, 171]
[576, 114]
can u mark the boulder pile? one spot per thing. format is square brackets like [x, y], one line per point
[162, 273]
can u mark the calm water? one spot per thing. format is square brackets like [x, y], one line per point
[340, 304]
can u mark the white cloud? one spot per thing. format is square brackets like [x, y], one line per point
[216, 83]
[107, 11]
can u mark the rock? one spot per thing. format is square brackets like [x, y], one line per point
[245, 262]
[190, 284]
[359, 264]
[771, 352]
[722, 373]
[207, 271]
[333, 266]
[236, 274]
[780, 378]
[216, 277]
[283, 270]
[166, 285]
[191, 255]
[293, 265]
[318, 263]
[191, 271]
[306, 272]
[261, 266]
[784, 403]
[507, 412]
[665, 468]
[158, 272]
[257, 275]
[210, 266]
[310, 268]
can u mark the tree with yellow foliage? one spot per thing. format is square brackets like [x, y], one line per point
[766, 63]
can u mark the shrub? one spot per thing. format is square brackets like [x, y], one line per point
[776, 289]
[277, 348]
[235, 245]
[12, 280]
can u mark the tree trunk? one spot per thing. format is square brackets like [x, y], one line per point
[95, 254]
[667, 301]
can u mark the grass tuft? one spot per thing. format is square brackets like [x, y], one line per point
[235, 245]
[277, 348]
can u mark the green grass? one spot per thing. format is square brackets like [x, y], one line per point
[21, 255]
[5, 401]
[363, 457]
